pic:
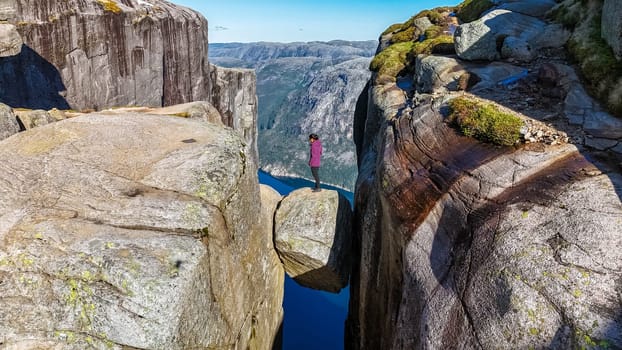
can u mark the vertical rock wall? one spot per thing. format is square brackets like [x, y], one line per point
[117, 52]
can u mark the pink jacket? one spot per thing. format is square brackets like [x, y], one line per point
[316, 153]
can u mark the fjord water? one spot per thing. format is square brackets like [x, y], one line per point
[313, 319]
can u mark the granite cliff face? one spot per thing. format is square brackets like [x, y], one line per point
[467, 245]
[95, 54]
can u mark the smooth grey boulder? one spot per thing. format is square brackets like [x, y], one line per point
[611, 26]
[10, 40]
[481, 39]
[435, 72]
[134, 231]
[313, 238]
[8, 122]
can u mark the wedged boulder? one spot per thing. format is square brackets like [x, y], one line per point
[482, 39]
[34, 118]
[611, 26]
[8, 122]
[313, 238]
[10, 40]
[134, 231]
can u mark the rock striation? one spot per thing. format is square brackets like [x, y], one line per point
[466, 245]
[127, 229]
[312, 236]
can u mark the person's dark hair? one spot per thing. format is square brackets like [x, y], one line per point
[314, 136]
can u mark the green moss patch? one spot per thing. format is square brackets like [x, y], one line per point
[484, 122]
[470, 10]
[392, 60]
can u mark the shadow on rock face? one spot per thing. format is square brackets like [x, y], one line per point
[27, 80]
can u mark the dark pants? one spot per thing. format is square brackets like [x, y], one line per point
[316, 175]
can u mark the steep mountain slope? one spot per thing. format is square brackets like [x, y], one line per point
[304, 88]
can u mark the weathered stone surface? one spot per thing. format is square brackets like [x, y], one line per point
[10, 40]
[611, 25]
[517, 48]
[138, 231]
[480, 39]
[433, 72]
[313, 237]
[8, 122]
[31, 119]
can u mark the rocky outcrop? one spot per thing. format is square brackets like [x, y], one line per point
[465, 245]
[10, 40]
[507, 34]
[8, 122]
[312, 236]
[132, 230]
[611, 26]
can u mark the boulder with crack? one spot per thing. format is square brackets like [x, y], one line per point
[312, 237]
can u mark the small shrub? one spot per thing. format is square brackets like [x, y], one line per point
[484, 122]
[470, 10]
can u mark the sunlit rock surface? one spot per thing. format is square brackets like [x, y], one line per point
[312, 237]
[134, 230]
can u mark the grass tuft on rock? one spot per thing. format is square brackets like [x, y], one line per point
[110, 6]
[484, 122]
[470, 10]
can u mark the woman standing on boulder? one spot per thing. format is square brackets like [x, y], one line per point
[314, 159]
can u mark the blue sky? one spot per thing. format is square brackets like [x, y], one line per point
[304, 20]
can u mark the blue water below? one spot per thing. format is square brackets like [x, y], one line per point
[313, 319]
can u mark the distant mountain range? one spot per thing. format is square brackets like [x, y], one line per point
[304, 88]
